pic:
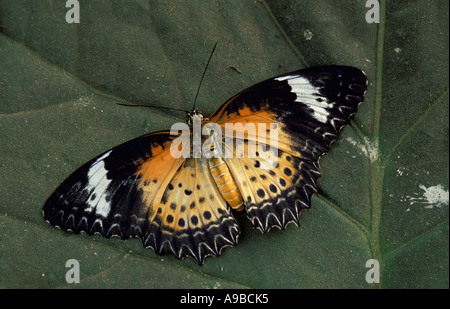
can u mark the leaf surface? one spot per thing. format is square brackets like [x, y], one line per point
[384, 190]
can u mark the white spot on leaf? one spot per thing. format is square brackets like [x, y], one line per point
[307, 34]
[434, 196]
[369, 148]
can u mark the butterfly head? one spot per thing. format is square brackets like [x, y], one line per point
[194, 113]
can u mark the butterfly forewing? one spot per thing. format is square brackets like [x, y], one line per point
[103, 195]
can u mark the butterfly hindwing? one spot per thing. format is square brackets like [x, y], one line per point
[274, 188]
[192, 217]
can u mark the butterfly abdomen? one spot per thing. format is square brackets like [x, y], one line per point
[226, 184]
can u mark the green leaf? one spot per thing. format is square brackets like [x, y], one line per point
[384, 190]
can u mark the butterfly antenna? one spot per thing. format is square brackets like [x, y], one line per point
[153, 106]
[201, 80]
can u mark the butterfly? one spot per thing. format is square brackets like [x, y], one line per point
[184, 204]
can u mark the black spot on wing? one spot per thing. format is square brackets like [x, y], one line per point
[286, 201]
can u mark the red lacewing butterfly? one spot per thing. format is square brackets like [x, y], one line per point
[184, 205]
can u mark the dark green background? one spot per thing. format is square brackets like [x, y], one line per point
[59, 83]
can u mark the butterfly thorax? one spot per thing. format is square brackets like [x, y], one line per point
[195, 113]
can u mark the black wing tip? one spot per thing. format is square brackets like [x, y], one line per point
[349, 75]
[349, 78]
[339, 91]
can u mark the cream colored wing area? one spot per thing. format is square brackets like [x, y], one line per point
[274, 189]
[192, 217]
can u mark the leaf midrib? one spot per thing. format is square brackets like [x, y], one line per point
[377, 166]
[377, 169]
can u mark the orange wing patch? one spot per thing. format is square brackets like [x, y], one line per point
[155, 175]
